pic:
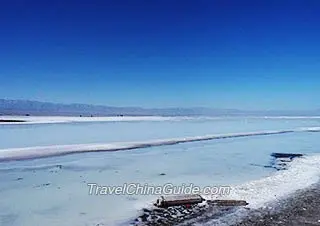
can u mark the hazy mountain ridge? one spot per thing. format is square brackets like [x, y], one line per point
[37, 108]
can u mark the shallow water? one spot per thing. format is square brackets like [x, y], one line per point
[37, 192]
[13, 136]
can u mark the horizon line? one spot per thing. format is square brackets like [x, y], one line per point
[159, 108]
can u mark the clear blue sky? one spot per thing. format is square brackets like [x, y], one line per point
[223, 54]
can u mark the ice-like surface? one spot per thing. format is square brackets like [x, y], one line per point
[53, 191]
[15, 136]
[47, 151]
[27, 120]
[302, 173]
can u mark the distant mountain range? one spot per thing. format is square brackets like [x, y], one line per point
[37, 108]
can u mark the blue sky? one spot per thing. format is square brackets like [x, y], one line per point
[221, 54]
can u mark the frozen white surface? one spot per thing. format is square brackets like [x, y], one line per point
[292, 117]
[30, 135]
[53, 191]
[302, 173]
[46, 151]
[71, 119]
[56, 150]
[68, 119]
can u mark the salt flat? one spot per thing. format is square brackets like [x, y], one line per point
[54, 191]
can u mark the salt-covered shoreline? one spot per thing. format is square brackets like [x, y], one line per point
[284, 191]
[25, 120]
[300, 208]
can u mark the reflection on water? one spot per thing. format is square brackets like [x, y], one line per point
[54, 191]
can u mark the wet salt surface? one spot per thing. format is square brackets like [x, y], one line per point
[54, 191]
[15, 136]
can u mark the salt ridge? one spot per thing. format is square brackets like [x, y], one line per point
[57, 150]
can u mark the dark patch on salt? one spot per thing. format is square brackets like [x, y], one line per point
[179, 214]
